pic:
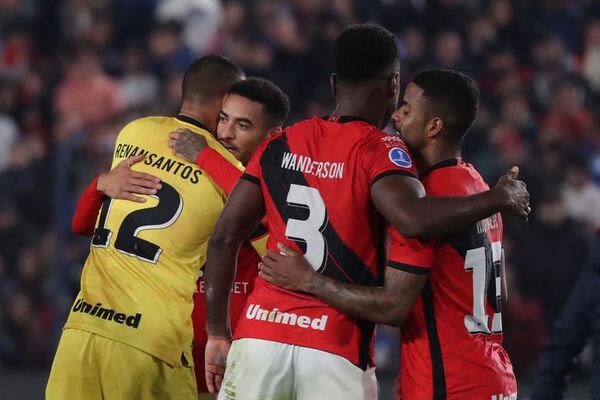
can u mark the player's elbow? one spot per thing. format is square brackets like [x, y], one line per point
[224, 238]
[390, 311]
[402, 317]
[409, 226]
[80, 229]
[396, 316]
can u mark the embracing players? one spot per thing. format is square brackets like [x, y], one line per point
[129, 332]
[252, 110]
[445, 293]
[324, 184]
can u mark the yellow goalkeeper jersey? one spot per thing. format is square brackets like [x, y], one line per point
[139, 278]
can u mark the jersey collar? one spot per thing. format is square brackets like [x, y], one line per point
[451, 162]
[190, 120]
[342, 119]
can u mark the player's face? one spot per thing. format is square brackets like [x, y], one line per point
[410, 119]
[242, 126]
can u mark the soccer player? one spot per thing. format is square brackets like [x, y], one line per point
[129, 332]
[323, 184]
[252, 110]
[444, 293]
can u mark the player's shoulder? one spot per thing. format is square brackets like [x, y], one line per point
[145, 122]
[301, 129]
[377, 137]
[380, 142]
[163, 123]
[453, 177]
[147, 126]
[351, 126]
[275, 138]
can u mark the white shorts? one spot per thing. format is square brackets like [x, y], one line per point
[262, 370]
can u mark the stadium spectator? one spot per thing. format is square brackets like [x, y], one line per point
[548, 40]
[581, 195]
[88, 97]
[550, 255]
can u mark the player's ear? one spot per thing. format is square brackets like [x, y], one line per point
[394, 84]
[273, 130]
[333, 84]
[434, 127]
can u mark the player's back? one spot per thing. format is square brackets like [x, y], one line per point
[452, 341]
[316, 178]
[138, 281]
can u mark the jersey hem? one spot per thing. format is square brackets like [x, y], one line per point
[104, 334]
[250, 178]
[393, 172]
[413, 269]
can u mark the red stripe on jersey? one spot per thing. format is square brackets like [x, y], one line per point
[316, 178]
[451, 342]
[247, 270]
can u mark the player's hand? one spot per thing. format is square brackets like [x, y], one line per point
[187, 144]
[288, 269]
[513, 193]
[123, 183]
[215, 360]
[397, 390]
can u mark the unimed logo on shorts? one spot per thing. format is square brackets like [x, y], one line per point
[277, 317]
[107, 313]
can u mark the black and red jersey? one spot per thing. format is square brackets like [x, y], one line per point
[452, 340]
[246, 272]
[315, 178]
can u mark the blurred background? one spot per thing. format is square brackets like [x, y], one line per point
[72, 72]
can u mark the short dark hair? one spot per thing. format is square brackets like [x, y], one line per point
[451, 95]
[362, 52]
[275, 103]
[209, 77]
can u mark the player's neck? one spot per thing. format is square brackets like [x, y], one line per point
[205, 117]
[363, 105]
[433, 154]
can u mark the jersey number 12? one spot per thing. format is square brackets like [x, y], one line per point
[161, 216]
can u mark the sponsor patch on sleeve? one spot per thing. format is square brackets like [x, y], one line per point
[400, 157]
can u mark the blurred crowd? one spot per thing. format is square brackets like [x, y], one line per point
[72, 72]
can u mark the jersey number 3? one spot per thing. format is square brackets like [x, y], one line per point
[163, 215]
[309, 230]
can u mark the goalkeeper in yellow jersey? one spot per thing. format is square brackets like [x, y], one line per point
[129, 332]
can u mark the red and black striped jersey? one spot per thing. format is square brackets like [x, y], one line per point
[452, 340]
[246, 272]
[315, 178]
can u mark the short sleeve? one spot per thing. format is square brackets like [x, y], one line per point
[410, 255]
[219, 168]
[386, 155]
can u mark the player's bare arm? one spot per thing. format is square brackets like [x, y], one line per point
[187, 144]
[389, 304]
[240, 217]
[124, 183]
[401, 200]
[120, 183]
